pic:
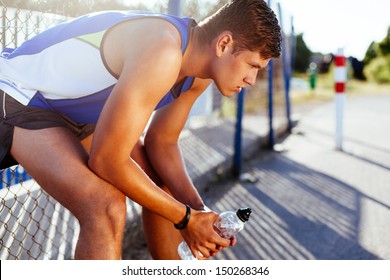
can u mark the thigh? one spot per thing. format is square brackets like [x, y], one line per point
[87, 142]
[55, 158]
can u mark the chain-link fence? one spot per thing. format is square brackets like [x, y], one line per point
[32, 224]
[18, 25]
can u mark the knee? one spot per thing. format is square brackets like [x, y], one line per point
[115, 211]
[104, 213]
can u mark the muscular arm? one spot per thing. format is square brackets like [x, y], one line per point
[161, 144]
[125, 116]
[144, 80]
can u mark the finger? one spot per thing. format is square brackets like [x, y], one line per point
[212, 247]
[233, 241]
[222, 242]
[203, 253]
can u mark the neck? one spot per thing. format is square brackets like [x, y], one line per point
[196, 57]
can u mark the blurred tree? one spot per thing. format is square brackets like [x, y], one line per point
[357, 68]
[378, 70]
[384, 46]
[302, 55]
[371, 53]
[377, 61]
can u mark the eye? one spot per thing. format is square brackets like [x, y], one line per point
[254, 66]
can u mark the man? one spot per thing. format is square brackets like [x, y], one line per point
[76, 99]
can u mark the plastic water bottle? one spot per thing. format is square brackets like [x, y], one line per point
[228, 225]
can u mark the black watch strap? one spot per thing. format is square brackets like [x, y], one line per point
[186, 219]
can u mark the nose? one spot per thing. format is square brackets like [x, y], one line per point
[250, 79]
[250, 83]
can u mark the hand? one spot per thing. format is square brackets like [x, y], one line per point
[201, 237]
[233, 242]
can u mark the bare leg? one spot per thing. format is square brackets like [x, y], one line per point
[161, 236]
[58, 162]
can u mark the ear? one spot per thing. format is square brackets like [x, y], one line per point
[224, 43]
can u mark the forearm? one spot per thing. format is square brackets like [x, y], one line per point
[163, 152]
[129, 178]
[168, 163]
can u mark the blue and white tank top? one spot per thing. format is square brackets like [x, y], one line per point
[62, 69]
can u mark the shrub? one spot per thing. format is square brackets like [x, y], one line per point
[378, 70]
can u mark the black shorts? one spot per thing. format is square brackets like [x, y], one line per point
[13, 113]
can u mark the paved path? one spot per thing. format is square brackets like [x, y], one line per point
[315, 202]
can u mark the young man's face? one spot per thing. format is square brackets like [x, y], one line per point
[236, 71]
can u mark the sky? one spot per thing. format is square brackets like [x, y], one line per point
[332, 24]
[328, 25]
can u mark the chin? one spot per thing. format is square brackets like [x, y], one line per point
[228, 93]
[224, 92]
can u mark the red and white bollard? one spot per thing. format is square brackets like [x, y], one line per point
[340, 78]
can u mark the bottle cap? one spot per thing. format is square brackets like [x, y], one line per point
[243, 214]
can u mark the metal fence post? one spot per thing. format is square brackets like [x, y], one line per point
[286, 71]
[292, 47]
[237, 159]
[174, 7]
[3, 28]
[271, 135]
[270, 71]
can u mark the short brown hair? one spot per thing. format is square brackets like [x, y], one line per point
[253, 24]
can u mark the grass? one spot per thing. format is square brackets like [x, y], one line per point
[256, 100]
[324, 89]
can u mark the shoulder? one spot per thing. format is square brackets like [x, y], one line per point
[145, 33]
[152, 40]
[143, 43]
[158, 49]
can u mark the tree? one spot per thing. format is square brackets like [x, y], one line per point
[384, 46]
[378, 70]
[302, 55]
[371, 53]
[377, 61]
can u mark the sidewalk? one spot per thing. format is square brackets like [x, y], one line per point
[313, 201]
[310, 201]
[207, 148]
